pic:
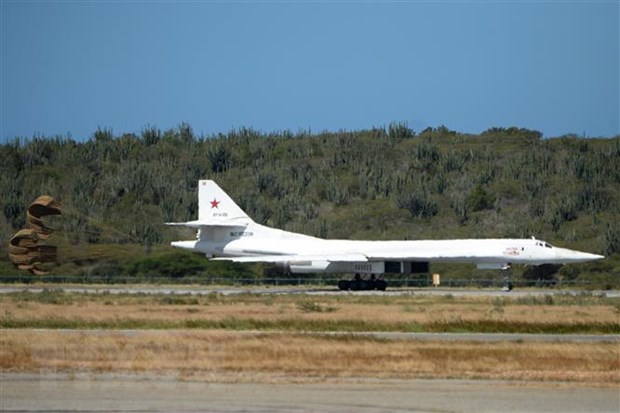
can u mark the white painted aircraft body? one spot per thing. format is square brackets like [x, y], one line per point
[226, 232]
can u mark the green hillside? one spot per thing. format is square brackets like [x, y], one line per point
[383, 183]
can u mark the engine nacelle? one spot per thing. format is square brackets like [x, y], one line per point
[283, 267]
[374, 267]
[407, 267]
[304, 267]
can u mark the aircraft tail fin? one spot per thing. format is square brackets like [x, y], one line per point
[215, 209]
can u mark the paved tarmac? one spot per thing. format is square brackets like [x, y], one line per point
[106, 392]
[484, 337]
[89, 393]
[325, 291]
[382, 335]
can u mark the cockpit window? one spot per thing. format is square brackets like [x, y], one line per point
[543, 244]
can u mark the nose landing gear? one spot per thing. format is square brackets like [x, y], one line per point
[505, 271]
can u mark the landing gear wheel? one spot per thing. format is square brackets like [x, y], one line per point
[381, 285]
[360, 284]
[357, 285]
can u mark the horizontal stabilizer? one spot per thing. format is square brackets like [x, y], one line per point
[200, 224]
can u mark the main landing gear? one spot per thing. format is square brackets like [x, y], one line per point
[360, 284]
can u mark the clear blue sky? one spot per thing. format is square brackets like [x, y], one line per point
[69, 67]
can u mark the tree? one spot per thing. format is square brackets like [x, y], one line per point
[479, 199]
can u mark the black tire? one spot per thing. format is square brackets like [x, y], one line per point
[343, 285]
[356, 285]
[381, 285]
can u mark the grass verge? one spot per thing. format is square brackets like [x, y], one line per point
[212, 355]
[294, 324]
[347, 313]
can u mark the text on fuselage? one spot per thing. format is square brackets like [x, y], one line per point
[236, 234]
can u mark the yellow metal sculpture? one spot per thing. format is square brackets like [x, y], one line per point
[26, 250]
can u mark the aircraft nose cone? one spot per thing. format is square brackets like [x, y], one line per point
[585, 256]
[578, 256]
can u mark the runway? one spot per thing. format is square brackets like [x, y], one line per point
[310, 291]
[105, 392]
[233, 390]
[441, 337]
[486, 337]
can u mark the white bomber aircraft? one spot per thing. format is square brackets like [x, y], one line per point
[226, 232]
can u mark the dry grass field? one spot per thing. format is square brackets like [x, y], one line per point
[238, 356]
[530, 314]
[214, 338]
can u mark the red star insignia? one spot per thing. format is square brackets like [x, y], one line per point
[214, 203]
